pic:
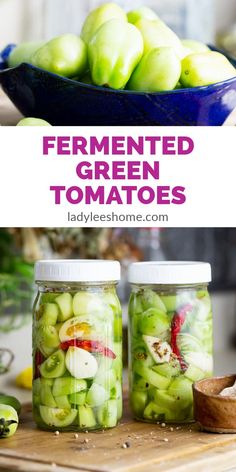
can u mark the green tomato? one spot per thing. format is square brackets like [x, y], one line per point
[151, 299]
[170, 302]
[64, 55]
[157, 35]
[98, 17]
[33, 122]
[181, 389]
[140, 13]
[114, 52]
[46, 338]
[154, 322]
[86, 303]
[85, 79]
[54, 366]
[158, 71]
[135, 304]
[11, 401]
[23, 52]
[201, 69]
[57, 417]
[140, 354]
[138, 401]
[48, 313]
[194, 46]
[8, 421]
[64, 302]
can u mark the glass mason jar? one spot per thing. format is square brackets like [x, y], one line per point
[170, 338]
[77, 345]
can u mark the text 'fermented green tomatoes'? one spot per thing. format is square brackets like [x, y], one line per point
[114, 52]
[142, 12]
[65, 55]
[23, 53]
[8, 421]
[33, 122]
[157, 34]
[100, 15]
[159, 70]
[206, 68]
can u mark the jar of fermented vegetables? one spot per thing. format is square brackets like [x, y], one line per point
[77, 345]
[170, 338]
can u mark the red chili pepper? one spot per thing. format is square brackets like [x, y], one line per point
[90, 346]
[38, 360]
[176, 325]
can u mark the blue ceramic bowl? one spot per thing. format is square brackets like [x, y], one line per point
[40, 94]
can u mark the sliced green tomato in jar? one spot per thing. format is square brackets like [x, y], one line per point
[170, 302]
[151, 299]
[110, 298]
[64, 302]
[86, 417]
[194, 373]
[62, 401]
[116, 391]
[46, 397]
[140, 384]
[158, 412]
[80, 363]
[135, 304]
[188, 343]
[181, 388]
[78, 398]
[48, 297]
[106, 379]
[97, 395]
[169, 370]
[86, 303]
[159, 350]
[49, 313]
[67, 386]
[138, 401]
[54, 366]
[58, 417]
[46, 337]
[154, 322]
[107, 414]
[202, 360]
[151, 377]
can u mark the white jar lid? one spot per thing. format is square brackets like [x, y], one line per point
[169, 272]
[77, 270]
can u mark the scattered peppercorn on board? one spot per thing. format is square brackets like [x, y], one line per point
[131, 447]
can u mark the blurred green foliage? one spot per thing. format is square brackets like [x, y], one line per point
[16, 285]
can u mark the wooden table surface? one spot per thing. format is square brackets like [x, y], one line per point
[9, 115]
[152, 447]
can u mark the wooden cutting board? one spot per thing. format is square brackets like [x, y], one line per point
[152, 448]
